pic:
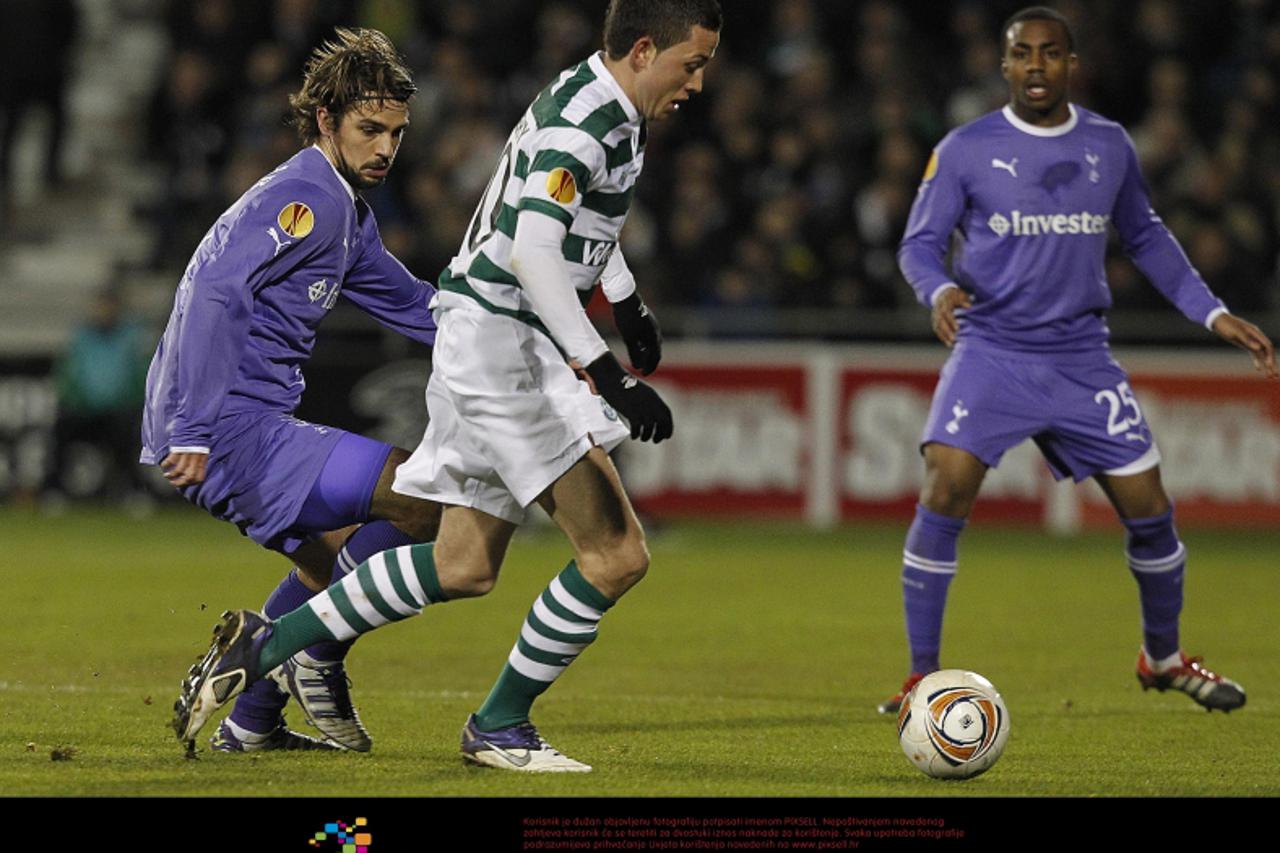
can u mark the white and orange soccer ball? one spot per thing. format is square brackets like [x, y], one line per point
[953, 724]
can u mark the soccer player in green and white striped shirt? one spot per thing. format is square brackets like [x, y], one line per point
[511, 423]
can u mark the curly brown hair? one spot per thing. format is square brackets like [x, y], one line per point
[359, 65]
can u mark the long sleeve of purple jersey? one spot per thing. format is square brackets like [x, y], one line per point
[379, 285]
[234, 259]
[935, 213]
[214, 329]
[1154, 250]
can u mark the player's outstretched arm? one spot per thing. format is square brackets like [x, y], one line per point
[945, 323]
[1249, 337]
[381, 286]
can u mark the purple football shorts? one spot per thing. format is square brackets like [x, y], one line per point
[283, 480]
[1077, 407]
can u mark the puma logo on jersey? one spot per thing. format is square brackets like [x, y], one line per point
[953, 426]
[1135, 436]
[280, 244]
[629, 382]
[1011, 167]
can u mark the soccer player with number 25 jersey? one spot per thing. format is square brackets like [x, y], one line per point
[1033, 191]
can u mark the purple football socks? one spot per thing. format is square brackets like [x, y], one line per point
[928, 565]
[1157, 560]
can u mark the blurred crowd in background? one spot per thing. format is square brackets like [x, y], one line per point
[774, 201]
[788, 183]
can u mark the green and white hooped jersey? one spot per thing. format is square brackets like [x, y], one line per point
[574, 156]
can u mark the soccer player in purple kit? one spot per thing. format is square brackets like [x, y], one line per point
[227, 374]
[511, 422]
[1033, 189]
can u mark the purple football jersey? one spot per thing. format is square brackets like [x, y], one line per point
[248, 305]
[1033, 207]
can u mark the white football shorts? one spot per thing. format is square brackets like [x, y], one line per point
[508, 416]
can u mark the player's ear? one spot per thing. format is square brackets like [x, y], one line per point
[643, 52]
[326, 122]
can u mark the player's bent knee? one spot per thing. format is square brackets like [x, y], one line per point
[618, 568]
[467, 585]
[312, 577]
[465, 578]
[946, 497]
[472, 587]
[634, 566]
[313, 561]
[952, 478]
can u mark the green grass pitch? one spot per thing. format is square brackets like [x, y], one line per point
[747, 664]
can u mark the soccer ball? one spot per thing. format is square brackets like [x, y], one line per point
[953, 724]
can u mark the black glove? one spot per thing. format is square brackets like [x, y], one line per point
[643, 409]
[639, 328]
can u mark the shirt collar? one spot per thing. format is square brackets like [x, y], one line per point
[1057, 130]
[596, 62]
[346, 186]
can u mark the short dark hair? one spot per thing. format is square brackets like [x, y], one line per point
[1037, 13]
[359, 65]
[667, 22]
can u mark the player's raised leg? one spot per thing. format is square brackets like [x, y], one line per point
[952, 479]
[316, 677]
[589, 504]
[355, 485]
[1157, 559]
[388, 587]
[256, 723]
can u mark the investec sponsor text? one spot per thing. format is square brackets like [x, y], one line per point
[1021, 224]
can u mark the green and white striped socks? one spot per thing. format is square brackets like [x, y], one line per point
[561, 624]
[388, 587]
[397, 584]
